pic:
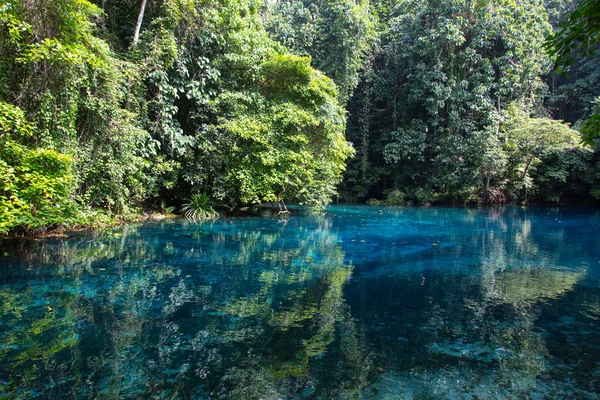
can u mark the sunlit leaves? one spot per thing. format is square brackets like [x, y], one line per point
[35, 184]
[338, 34]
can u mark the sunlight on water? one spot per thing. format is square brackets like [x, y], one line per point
[361, 302]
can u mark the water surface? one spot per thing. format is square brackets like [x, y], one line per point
[361, 302]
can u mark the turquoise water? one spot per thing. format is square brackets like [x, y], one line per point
[361, 302]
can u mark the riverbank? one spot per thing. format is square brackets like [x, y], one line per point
[98, 222]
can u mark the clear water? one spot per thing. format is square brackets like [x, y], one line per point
[357, 303]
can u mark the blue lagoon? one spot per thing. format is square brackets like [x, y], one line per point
[359, 302]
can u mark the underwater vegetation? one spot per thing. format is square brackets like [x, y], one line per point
[357, 302]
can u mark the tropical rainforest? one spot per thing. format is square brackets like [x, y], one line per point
[112, 107]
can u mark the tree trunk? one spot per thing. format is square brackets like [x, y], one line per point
[525, 174]
[138, 25]
[498, 122]
[527, 167]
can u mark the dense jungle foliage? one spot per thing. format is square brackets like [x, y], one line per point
[108, 107]
[460, 102]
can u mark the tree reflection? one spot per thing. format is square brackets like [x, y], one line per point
[369, 303]
[462, 315]
[179, 309]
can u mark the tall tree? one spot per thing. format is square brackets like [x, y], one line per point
[337, 34]
[138, 24]
[450, 71]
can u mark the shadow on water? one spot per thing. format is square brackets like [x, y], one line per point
[368, 302]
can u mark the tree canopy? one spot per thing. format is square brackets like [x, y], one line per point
[111, 107]
[197, 98]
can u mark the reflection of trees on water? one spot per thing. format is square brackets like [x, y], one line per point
[255, 308]
[299, 306]
[181, 310]
[522, 282]
[472, 328]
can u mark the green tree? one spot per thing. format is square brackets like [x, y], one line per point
[235, 116]
[451, 68]
[577, 37]
[153, 102]
[528, 141]
[35, 184]
[576, 83]
[73, 90]
[578, 34]
[337, 34]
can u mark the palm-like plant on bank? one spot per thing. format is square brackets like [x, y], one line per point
[199, 207]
